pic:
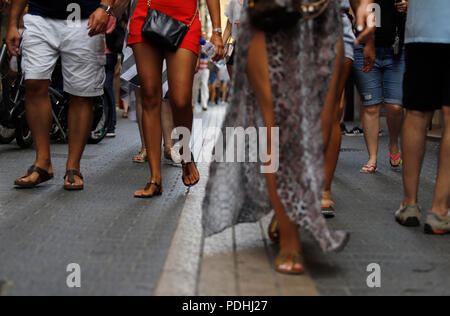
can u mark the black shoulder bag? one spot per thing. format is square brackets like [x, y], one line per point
[159, 28]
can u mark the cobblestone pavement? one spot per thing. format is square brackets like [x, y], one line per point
[136, 247]
[120, 242]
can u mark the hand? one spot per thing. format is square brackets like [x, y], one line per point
[402, 7]
[364, 26]
[13, 41]
[369, 56]
[98, 22]
[217, 40]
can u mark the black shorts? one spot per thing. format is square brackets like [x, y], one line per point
[427, 78]
[231, 60]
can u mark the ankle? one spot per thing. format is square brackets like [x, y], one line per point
[43, 163]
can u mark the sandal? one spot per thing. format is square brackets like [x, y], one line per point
[328, 205]
[396, 161]
[125, 115]
[142, 157]
[44, 176]
[158, 192]
[70, 174]
[369, 169]
[184, 164]
[274, 230]
[284, 260]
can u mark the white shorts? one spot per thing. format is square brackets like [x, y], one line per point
[83, 57]
[349, 38]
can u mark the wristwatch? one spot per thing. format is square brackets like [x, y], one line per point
[107, 8]
[217, 30]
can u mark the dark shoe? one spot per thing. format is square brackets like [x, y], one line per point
[343, 129]
[70, 174]
[185, 164]
[44, 176]
[158, 192]
[356, 131]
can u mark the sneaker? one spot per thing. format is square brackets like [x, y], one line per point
[356, 131]
[111, 134]
[408, 216]
[437, 224]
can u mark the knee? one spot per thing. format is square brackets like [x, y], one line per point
[151, 98]
[372, 111]
[180, 101]
[396, 110]
[37, 87]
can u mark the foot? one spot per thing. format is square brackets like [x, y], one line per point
[34, 177]
[370, 168]
[436, 224]
[73, 180]
[290, 262]
[191, 175]
[328, 205]
[141, 157]
[396, 160]
[153, 188]
[408, 215]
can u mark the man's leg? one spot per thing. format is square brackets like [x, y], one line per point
[442, 191]
[39, 117]
[413, 145]
[80, 125]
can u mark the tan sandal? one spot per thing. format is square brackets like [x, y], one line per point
[142, 157]
[328, 205]
[289, 263]
[158, 192]
[274, 230]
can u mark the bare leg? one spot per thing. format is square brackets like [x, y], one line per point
[258, 74]
[371, 124]
[230, 72]
[333, 97]
[149, 60]
[167, 125]
[39, 117]
[80, 124]
[442, 191]
[332, 152]
[139, 113]
[413, 144]
[181, 69]
[395, 122]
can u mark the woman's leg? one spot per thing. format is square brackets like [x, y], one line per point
[395, 122]
[181, 70]
[332, 97]
[139, 113]
[167, 125]
[332, 152]
[259, 77]
[149, 61]
[371, 125]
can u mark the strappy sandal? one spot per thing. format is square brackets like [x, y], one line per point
[44, 176]
[142, 157]
[70, 174]
[369, 169]
[158, 192]
[274, 230]
[284, 260]
[396, 161]
[184, 164]
[328, 210]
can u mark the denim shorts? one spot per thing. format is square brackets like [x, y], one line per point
[384, 84]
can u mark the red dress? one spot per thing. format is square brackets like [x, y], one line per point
[182, 10]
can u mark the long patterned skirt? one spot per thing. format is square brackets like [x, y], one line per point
[301, 62]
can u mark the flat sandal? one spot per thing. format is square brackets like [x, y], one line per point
[158, 192]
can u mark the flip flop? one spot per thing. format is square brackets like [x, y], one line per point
[396, 158]
[369, 169]
[184, 164]
[44, 176]
[282, 263]
[71, 175]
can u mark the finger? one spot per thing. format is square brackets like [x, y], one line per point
[91, 21]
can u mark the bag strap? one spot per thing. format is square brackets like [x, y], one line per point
[149, 2]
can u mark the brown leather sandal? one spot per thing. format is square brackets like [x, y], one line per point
[71, 175]
[158, 192]
[185, 164]
[44, 176]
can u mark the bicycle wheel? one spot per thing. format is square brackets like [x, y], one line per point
[101, 120]
[23, 133]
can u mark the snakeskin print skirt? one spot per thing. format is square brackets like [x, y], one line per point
[301, 64]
